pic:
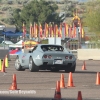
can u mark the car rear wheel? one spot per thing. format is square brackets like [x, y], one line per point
[18, 66]
[32, 66]
[70, 69]
[73, 69]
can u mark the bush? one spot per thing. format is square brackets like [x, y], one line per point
[9, 21]
[10, 2]
[5, 8]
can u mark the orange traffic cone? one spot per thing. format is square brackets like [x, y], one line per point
[57, 95]
[79, 95]
[84, 66]
[98, 79]
[62, 82]
[3, 66]
[14, 83]
[70, 80]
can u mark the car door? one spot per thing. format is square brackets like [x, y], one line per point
[24, 59]
[27, 56]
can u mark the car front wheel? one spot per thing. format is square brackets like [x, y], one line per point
[32, 66]
[18, 66]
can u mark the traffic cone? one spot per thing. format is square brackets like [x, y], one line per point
[0, 65]
[57, 95]
[79, 95]
[62, 82]
[3, 66]
[6, 61]
[14, 83]
[98, 79]
[70, 80]
[84, 66]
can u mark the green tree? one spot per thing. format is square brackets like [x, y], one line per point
[36, 11]
[92, 16]
[0, 1]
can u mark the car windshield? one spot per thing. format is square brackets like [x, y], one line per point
[52, 48]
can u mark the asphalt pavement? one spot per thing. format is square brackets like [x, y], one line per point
[41, 85]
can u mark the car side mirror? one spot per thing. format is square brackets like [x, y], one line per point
[30, 51]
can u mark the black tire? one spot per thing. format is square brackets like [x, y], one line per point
[71, 69]
[67, 70]
[18, 66]
[32, 66]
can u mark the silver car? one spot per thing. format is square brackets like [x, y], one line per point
[46, 57]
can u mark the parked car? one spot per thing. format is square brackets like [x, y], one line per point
[46, 57]
[7, 42]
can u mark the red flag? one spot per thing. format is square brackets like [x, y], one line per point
[66, 29]
[81, 30]
[35, 30]
[74, 31]
[70, 32]
[46, 30]
[30, 30]
[56, 30]
[51, 31]
[24, 30]
[60, 31]
[40, 30]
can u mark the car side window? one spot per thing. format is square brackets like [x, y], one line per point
[44, 48]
